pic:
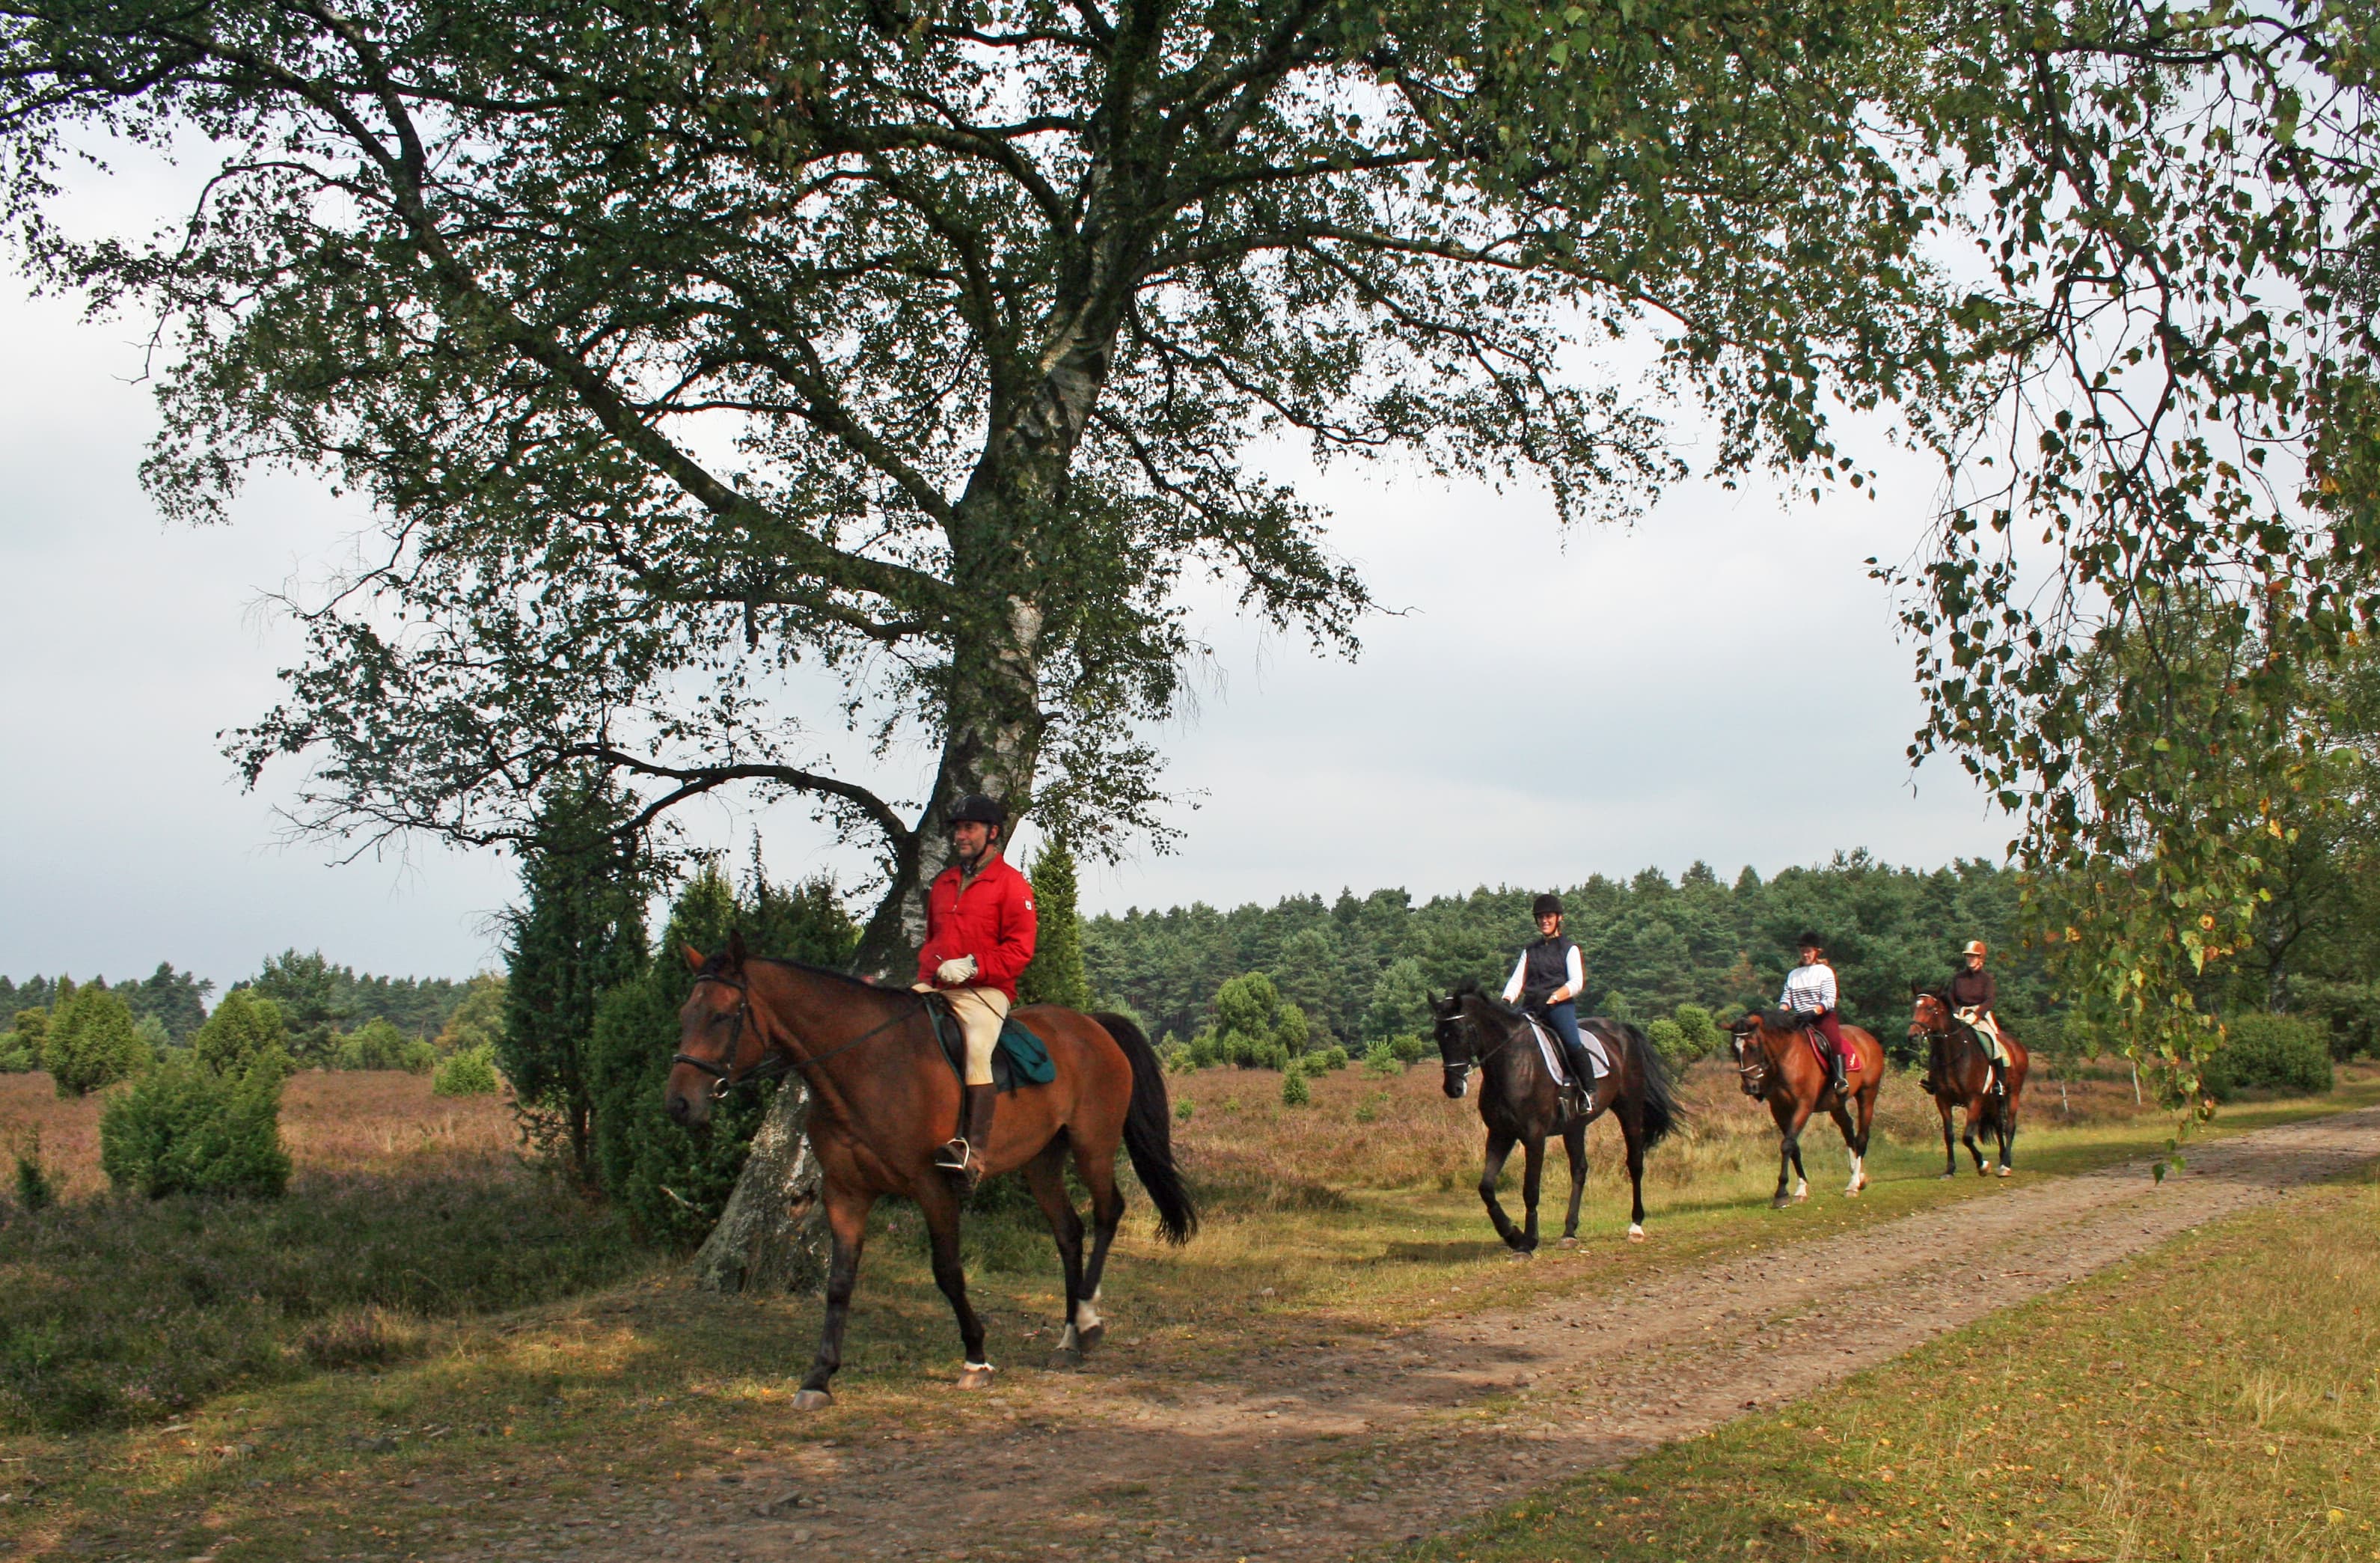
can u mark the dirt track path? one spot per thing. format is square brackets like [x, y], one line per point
[1351, 1447]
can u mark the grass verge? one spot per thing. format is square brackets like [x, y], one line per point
[2215, 1401]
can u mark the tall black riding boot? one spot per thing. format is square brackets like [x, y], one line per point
[1838, 1072]
[1999, 1077]
[963, 1155]
[1582, 1073]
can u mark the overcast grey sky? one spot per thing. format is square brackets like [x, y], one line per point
[1720, 681]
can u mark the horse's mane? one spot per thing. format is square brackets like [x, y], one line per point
[720, 965]
[1469, 989]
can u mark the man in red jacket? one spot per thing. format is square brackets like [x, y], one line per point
[979, 939]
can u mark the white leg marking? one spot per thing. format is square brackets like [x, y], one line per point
[1085, 1316]
[1066, 1341]
[1635, 1229]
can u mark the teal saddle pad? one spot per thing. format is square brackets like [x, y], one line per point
[1019, 1059]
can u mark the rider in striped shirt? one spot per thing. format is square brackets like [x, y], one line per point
[1810, 990]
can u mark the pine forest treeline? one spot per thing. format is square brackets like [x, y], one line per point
[1356, 966]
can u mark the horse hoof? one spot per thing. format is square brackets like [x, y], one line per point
[1952, 1173]
[812, 1399]
[1087, 1339]
[1570, 1243]
[2004, 1169]
[975, 1376]
[1782, 1202]
[1520, 1256]
[1064, 1359]
[1635, 1235]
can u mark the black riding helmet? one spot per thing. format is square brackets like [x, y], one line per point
[1810, 941]
[1547, 905]
[979, 809]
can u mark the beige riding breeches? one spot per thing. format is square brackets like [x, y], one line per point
[1988, 1029]
[979, 1011]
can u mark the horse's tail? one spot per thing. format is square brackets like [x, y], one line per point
[1663, 1112]
[1148, 1132]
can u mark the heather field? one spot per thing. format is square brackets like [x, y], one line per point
[334, 1375]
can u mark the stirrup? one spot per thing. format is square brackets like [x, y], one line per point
[956, 1156]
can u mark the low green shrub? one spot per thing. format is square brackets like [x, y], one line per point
[20, 1054]
[1410, 1047]
[184, 1128]
[1381, 1059]
[1294, 1091]
[375, 1045]
[37, 1182]
[1668, 1039]
[93, 1043]
[2270, 1052]
[471, 1072]
[245, 1028]
[1335, 1057]
[422, 1056]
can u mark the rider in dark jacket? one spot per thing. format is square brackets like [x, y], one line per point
[1546, 982]
[1972, 994]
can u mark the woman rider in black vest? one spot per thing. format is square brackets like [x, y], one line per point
[1546, 982]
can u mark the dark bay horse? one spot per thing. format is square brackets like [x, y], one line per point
[1776, 1064]
[882, 1100]
[1959, 1075]
[1521, 1105]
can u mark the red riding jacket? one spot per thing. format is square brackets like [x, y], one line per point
[990, 917]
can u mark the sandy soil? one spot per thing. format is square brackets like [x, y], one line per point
[1330, 1449]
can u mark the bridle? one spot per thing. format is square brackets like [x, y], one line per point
[1751, 1064]
[778, 1064]
[1479, 1055]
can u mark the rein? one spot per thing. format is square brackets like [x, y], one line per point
[783, 1059]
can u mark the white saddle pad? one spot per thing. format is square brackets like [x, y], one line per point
[1551, 1048]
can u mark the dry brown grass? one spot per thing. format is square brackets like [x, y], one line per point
[366, 1123]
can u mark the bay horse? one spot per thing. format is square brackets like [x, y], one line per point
[1521, 1105]
[1959, 1074]
[1776, 1064]
[883, 1099]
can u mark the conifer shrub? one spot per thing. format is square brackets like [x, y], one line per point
[1381, 1059]
[471, 1072]
[1668, 1039]
[1410, 1047]
[37, 1182]
[2270, 1052]
[245, 1028]
[375, 1045]
[422, 1058]
[1293, 1089]
[674, 1182]
[93, 1043]
[1333, 1057]
[185, 1129]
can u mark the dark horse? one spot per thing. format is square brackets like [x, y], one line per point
[1521, 1105]
[882, 1100]
[1774, 1060]
[1959, 1075]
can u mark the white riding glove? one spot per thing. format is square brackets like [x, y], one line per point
[953, 972]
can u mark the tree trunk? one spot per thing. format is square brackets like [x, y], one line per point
[772, 1235]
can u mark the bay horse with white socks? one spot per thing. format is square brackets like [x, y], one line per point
[1959, 1075]
[1521, 1104]
[883, 1098]
[1776, 1065]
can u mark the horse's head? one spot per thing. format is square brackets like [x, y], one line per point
[717, 1042]
[1751, 1053]
[1458, 1041]
[1929, 1014]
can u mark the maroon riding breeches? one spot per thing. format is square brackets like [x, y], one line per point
[1834, 1030]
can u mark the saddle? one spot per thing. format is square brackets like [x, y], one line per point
[1807, 1025]
[1018, 1059]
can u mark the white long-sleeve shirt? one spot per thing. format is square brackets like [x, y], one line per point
[1808, 990]
[1574, 968]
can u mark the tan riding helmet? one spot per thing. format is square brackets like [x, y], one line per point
[1975, 947]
